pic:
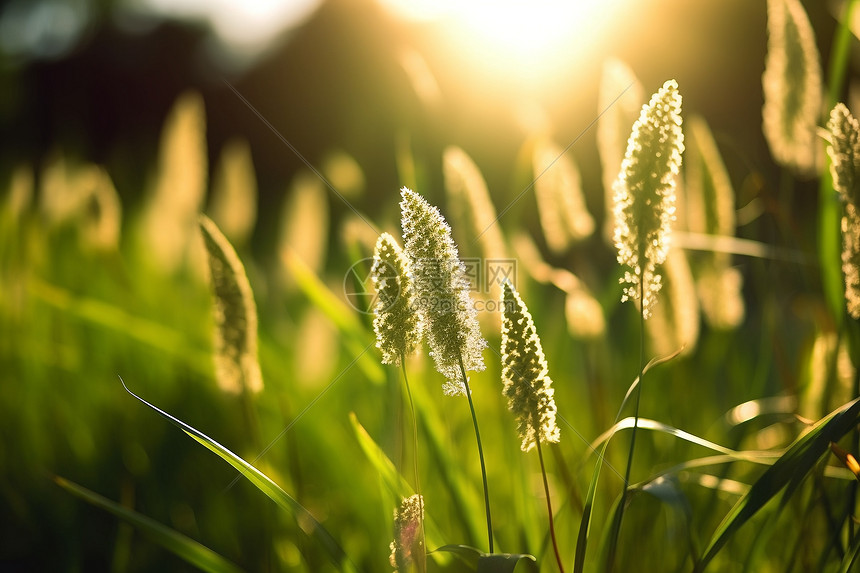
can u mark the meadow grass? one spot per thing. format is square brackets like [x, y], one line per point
[342, 443]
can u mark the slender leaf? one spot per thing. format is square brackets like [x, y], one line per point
[851, 556]
[392, 478]
[788, 470]
[585, 522]
[467, 504]
[648, 424]
[184, 547]
[262, 482]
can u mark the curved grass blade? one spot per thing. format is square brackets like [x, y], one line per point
[788, 471]
[467, 507]
[184, 547]
[585, 522]
[666, 490]
[392, 478]
[648, 424]
[262, 482]
[850, 556]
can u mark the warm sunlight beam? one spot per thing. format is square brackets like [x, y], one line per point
[522, 40]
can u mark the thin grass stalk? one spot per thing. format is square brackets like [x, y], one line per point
[616, 530]
[549, 505]
[422, 563]
[855, 447]
[829, 240]
[480, 455]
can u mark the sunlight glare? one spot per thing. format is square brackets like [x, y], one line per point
[522, 40]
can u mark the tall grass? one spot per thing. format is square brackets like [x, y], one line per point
[732, 445]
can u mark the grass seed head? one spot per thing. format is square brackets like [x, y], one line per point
[792, 87]
[645, 193]
[442, 291]
[844, 151]
[396, 324]
[408, 540]
[525, 376]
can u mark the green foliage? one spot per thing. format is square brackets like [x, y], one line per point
[188, 549]
[732, 470]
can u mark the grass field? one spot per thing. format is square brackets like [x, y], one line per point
[176, 394]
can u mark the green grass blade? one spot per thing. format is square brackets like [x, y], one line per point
[788, 470]
[829, 207]
[356, 337]
[392, 478]
[184, 547]
[467, 506]
[850, 556]
[588, 506]
[262, 482]
[119, 321]
[654, 425]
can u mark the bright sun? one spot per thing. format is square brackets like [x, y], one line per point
[524, 40]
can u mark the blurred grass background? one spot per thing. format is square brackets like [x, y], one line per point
[85, 296]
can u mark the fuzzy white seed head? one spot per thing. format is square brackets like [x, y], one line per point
[396, 323]
[792, 87]
[645, 194]
[525, 376]
[408, 544]
[442, 291]
[844, 151]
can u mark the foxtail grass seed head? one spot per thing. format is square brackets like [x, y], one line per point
[792, 87]
[564, 217]
[844, 151]
[829, 377]
[180, 183]
[470, 201]
[234, 193]
[645, 193]
[584, 315]
[396, 323]
[408, 540]
[442, 291]
[104, 218]
[305, 220]
[720, 292]
[710, 197]
[236, 365]
[851, 258]
[19, 195]
[525, 376]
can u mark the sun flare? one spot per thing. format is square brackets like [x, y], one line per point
[521, 40]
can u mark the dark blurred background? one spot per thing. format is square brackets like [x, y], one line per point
[96, 79]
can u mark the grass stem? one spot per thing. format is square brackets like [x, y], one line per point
[616, 529]
[422, 558]
[549, 509]
[480, 454]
